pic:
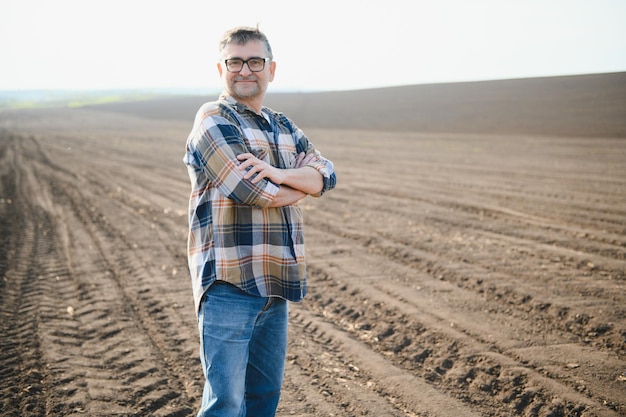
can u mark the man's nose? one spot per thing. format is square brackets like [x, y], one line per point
[245, 69]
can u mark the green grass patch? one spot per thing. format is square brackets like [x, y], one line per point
[43, 99]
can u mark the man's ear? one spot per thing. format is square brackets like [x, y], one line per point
[272, 70]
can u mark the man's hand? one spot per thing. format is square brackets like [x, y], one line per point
[309, 181]
[264, 170]
[259, 168]
[301, 160]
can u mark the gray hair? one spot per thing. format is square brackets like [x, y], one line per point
[242, 35]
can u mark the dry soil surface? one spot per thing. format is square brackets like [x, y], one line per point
[451, 274]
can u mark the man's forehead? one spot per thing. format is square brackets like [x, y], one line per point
[253, 46]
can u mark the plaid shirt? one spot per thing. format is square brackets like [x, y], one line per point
[234, 235]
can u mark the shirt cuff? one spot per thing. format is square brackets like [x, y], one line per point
[267, 195]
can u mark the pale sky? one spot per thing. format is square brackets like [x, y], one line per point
[318, 44]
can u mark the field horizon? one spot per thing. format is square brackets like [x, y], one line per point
[590, 105]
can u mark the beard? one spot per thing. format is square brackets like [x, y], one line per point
[246, 90]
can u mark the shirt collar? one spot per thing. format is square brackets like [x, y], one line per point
[240, 107]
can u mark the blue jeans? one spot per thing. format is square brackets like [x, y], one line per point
[243, 345]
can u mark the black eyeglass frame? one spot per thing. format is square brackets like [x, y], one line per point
[245, 62]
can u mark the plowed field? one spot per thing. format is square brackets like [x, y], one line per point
[451, 275]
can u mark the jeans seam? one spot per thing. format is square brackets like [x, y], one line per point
[268, 304]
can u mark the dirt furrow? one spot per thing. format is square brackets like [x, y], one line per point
[492, 262]
[24, 371]
[148, 351]
[99, 358]
[372, 285]
[363, 380]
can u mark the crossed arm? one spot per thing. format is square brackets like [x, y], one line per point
[296, 182]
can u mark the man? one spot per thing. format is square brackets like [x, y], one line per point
[249, 167]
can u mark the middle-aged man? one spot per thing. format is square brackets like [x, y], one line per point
[249, 167]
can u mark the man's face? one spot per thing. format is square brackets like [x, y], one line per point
[245, 84]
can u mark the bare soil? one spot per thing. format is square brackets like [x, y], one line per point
[451, 274]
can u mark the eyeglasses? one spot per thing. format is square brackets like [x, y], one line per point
[255, 64]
